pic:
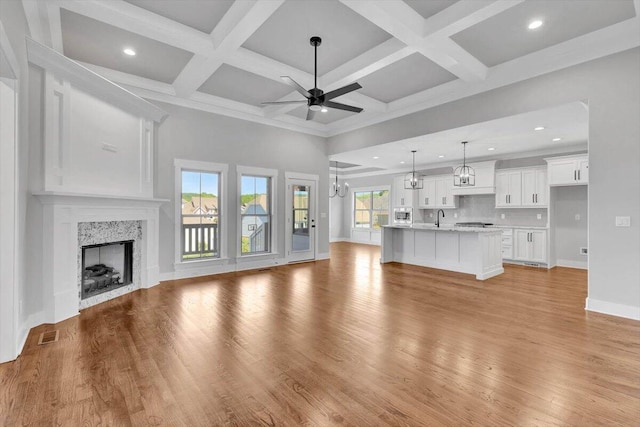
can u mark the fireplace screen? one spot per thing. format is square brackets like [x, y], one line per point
[106, 267]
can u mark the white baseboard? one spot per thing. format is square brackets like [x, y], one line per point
[35, 319]
[338, 239]
[583, 265]
[364, 242]
[614, 309]
[322, 256]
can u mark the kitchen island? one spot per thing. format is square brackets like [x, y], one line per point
[463, 249]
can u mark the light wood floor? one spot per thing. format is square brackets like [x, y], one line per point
[346, 341]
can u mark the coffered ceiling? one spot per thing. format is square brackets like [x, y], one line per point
[227, 56]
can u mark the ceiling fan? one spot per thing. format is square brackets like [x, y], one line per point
[317, 100]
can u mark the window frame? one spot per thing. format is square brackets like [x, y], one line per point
[371, 210]
[181, 165]
[272, 174]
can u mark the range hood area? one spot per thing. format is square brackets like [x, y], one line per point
[485, 180]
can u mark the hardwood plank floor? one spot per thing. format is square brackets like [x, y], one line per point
[346, 341]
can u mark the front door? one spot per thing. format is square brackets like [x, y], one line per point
[301, 223]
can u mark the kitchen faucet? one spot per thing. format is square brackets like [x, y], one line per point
[438, 217]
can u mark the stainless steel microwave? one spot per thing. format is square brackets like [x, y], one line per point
[403, 215]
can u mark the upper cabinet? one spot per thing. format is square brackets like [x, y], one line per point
[517, 188]
[401, 196]
[437, 193]
[568, 170]
[485, 174]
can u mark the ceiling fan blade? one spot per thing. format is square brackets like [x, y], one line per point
[340, 106]
[282, 102]
[310, 114]
[345, 89]
[288, 80]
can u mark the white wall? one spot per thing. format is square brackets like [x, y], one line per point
[570, 233]
[611, 85]
[14, 23]
[196, 135]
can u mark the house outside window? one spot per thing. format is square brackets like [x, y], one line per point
[370, 209]
[200, 215]
[255, 212]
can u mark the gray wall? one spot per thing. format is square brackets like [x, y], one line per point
[611, 85]
[570, 234]
[196, 135]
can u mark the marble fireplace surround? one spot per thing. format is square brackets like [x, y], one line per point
[61, 213]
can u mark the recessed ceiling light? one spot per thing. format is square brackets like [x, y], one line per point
[129, 51]
[375, 157]
[556, 139]
[539, 128]
[491, 149]
[441, 156]
[324, 109]
[535, 24]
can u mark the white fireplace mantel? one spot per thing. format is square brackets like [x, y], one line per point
[61, 214]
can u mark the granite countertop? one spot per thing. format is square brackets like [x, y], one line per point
[529, 227]
[445, 227]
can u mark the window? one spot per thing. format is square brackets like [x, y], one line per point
[255, 214]
[371, 208]
[200, 216]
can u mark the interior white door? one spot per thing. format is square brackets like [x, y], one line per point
[301, 223]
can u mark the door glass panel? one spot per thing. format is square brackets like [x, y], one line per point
[300, 235]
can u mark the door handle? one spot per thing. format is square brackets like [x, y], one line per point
[578, 175]
[506, 198]
[533, 198]
[575, 175]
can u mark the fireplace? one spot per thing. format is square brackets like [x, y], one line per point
[106, 267]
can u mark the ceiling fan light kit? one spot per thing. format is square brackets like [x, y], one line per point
[464, 176]
[413, 181]
[317, 100]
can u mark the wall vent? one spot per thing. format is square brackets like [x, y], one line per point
[48, 337]
[584, 251]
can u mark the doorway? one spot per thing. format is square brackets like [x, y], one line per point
[301, 220]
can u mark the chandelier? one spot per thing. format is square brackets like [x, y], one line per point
[413, 181]
[336, 188]
[464, 176]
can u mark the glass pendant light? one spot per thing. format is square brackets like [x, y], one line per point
[336, 188]
[464, 176]
[413, 181]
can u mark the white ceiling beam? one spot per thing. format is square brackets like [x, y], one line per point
[405, 24]
[126, 16]
[32, 11]
[264, 66]
[607, 41]
[374, 59]
[129, 79]
[464, 14]
[55, 26]
[241, 20]
[636, 4]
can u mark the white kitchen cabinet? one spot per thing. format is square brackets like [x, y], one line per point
[568, 170]
[508, 188]
[534, 188]
[507, 243]
[530, 245]
[427, 195]
[401, 197]
[444, 193]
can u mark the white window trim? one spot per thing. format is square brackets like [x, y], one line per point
[195, 165]
[269, 173]
[353, 203]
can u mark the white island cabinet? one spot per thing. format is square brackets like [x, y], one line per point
[465, 250]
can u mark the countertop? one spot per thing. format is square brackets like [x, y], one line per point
[445, 227]
[528, 227]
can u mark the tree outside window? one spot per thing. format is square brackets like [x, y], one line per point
[371, 209]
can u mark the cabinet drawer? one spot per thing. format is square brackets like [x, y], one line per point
[507, 232]
[507, 240]
[507, 252]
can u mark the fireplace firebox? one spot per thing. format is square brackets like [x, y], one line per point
[106, 267]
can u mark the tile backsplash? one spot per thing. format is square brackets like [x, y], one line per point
[482, 208]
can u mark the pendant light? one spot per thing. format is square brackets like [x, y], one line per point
[336, 188]
[464, 176]
[413, 181]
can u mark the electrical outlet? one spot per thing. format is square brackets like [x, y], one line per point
[431, 215]
[577, 217]
[583, 251]
[623, 221]
[109, 147]
[323, 214]
[539, 216]
[455, 214]
[502, 216]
